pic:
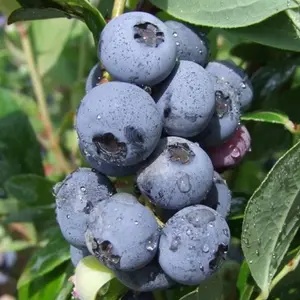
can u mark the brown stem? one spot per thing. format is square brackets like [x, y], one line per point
[41, 99]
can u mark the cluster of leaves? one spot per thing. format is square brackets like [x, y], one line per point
[262, 36]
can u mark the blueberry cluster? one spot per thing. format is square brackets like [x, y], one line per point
[171, 120]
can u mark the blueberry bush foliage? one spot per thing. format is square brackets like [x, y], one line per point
[48, 48]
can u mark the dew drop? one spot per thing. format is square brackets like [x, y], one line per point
[115, 259]
[235, 153]
[250, 262]
[136, 222]
[83, 189]
[243, 85]
[188, 232]
[98, 117]
[177, 44]
[257, 252]
[175, 34]
[223, 104]
[68, 216]
[201, 267]
[205, 248]
[184, 184]
[226, 233]
[175, 244]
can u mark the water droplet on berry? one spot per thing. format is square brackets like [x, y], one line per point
[236, 153]
[223, 104]
[83, 189]
[184, 184]
[226, 233]
[205, 248]
[175, 243]
[175, 34]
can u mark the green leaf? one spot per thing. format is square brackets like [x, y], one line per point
[227, 14]
[244, 288]
[271, 117]
[7, 6]
[277, 31]
[294, 15]
[14, 101]
[49, 44]
[30, 189]
[30, 14]
[46, 287]
[90, 276]
[80, 9]
[45, 259]
[16, 134]
[272, 218]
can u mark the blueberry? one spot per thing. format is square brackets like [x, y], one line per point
[122, 233]
[219, 197]
[191, 44]
[78, 254]
[8, 260]
[93, 78]
[235, 76]
[186, 99]
[181, 175]
[193, 244]
[118, 123]
[147, 279]
[137, 47]
[226, 118]
[231, 152]
[137, 296]
[76, 197]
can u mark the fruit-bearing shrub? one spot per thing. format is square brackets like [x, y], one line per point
[170, 119]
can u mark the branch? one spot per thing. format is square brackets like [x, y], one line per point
[41, 99]
[118, 9]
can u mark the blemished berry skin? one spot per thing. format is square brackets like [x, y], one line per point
[93, 78]
[186, 99]
[191, 44]
[122, 233]
[147, 279]
[137, 296]
[226, 118]
[193, 244]
[219, 197]
[181, 175]
[232, 151]
[76, 197]
[118, 123]
[228, 71]
[78, 254]
[137, 47]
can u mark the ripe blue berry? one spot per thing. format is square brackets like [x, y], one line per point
[219, 197]
[147, 279]
[226, 118]
[137, 47]
[186, 99]
[93, 78]
[235, 76]
[118, 124]
[76, 197]
[193, 244]
[191, 44]
[122, 233]
[180, 176]
[78, 254]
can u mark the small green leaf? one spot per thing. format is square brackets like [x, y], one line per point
[30, 189]
[16, 134]
[272, 218]
[90, 276]
[45, 259]
[271, 117]
[294, 15]
[286, 36]
[49, 44]
[7, 6]
[46, 287]
[245, 289]
[80, 9]
[30, 14]
[226, 14]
